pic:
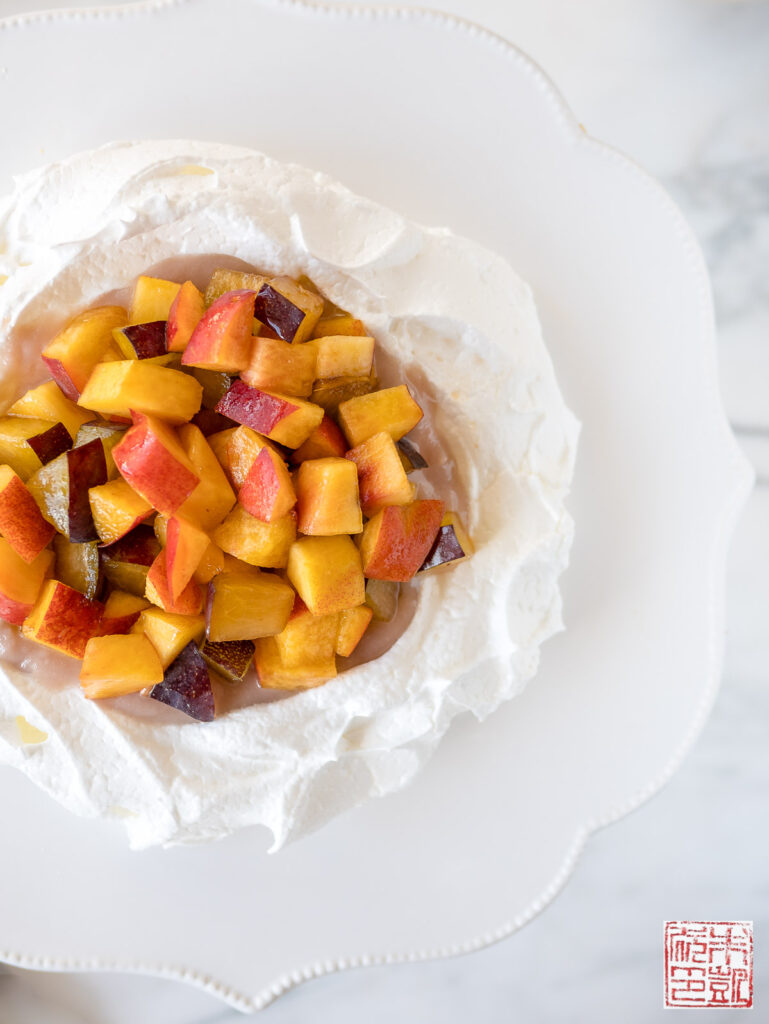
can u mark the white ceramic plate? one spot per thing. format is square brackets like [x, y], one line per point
[450, 125]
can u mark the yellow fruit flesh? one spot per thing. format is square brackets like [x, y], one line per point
[116, 665]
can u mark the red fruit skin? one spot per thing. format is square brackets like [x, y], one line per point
[254, 408]
[70, 621]
[189, 602]
[326, 441]
[62, 378]
[227, 323]
[263, 493]
[405, 537]
[21, 523]
[13, 611]
[151, 469]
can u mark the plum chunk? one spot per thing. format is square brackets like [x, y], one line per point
[142, 341]
[78, 565]
[186, 686]
[230, 658]
[278, 312]
[60, 489]
[51, 443]
[126, 562]
[410, 455]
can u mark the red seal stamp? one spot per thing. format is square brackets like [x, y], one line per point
[709, 963]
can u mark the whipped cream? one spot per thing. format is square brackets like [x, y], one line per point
[450, 318]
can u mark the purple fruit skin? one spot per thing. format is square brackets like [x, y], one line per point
[87, 468]
[147, 340]
[51, 443]
[139, 547]
[278, 312]
[412, 453]
[186, 686]
[446, 548]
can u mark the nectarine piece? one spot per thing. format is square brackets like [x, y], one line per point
[287, 420]
[169, 633]
[268, 492]
[109, 434]
[342, 355]
[230, 658]
[63, 619]
[396, 541]
[142, 341]
[382, 599]
[327, 498]
[210, 564]
[114, 665]
[139, 386]
[51, 443]
[84, 342]
[326, 573]
[336, 325]
[152, 299]
[381, 475]
[47, 402]
[186, 686]
[247, 605]
[289, 309]
[326, 441]
[21, 523]
[274, 675]
[185, 547]
[279, 366]
[213, 497]
[185, 314]
[121, 612]
[61, 488]
[253, 541]
[20, 582]
[307, 638]
[353, 623]
[451, 544]
[151, 459]
[391, 409]
[224, 280]
[116, 509]
[240, 452]
[126, 562]
[78, 565]
[222, 339]
[14, 450]
[188, 602]
[330, 392]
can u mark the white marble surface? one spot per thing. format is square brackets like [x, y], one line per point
[682, 86]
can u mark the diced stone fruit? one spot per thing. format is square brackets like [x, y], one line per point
[21, 522]
[51, 443]
[224, 280]
[117, 509]
[169, 633]
[126, 562]
[391, 409]
[152, 460]
[253, 541]
[222, 339]
[307, 638]
[185, 313]
[119, 664]
[396, 541]
[185, 547]
[142, 341]
[47, 402]
[353, 623]
[289, 309]
[330, 392]
[210, 564]
[121, 612]
[214, 384]
[337, 325]
[279, 366]
[152, 299]
[20, 582]
[326, 573]
[344, 356]
[14, 450]
[78, 565]
[326, 441]
[63, 619]
[61, 488]
[213, 497]
[274, 675]
[451, 544]
[287, 420]
[186, 686]
[241, 450]
[133, 386]
[382, 599]
[230, 658]
[109, 434]
[188, 602]
[84, 342]
[327, 494]
[268, 492]
[381, 475]
[247, 605]
[410, 456]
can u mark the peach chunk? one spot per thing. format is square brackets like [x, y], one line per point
[64, 619]
[15, 450]
[289, 309]
[341, 355]
[47, 402]
[241, 450]
[157, 590]
[116, 509]
[185, 547]
[278, 366]
[222, 339]
[247, 605]
[392, 409]
[253, 541]
[273, 674]
[152, 460]
[396, 541]
[20, 582]
[185, 313]
[451, 544]
[326, 573]
[327, 498]
[210, 564]
[84, 342]
[152, 299]
[326, 441]
[224, 280]
[138, 385]
[21, 523]
[289, 421]
[119, 664]
[353, 623]
[121, 612]
[337, 325]
[267, 491]
[307, 638]
[381, 475]
[213, 497]
[169, 633]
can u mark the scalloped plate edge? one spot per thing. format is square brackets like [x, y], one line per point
[738, 482]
